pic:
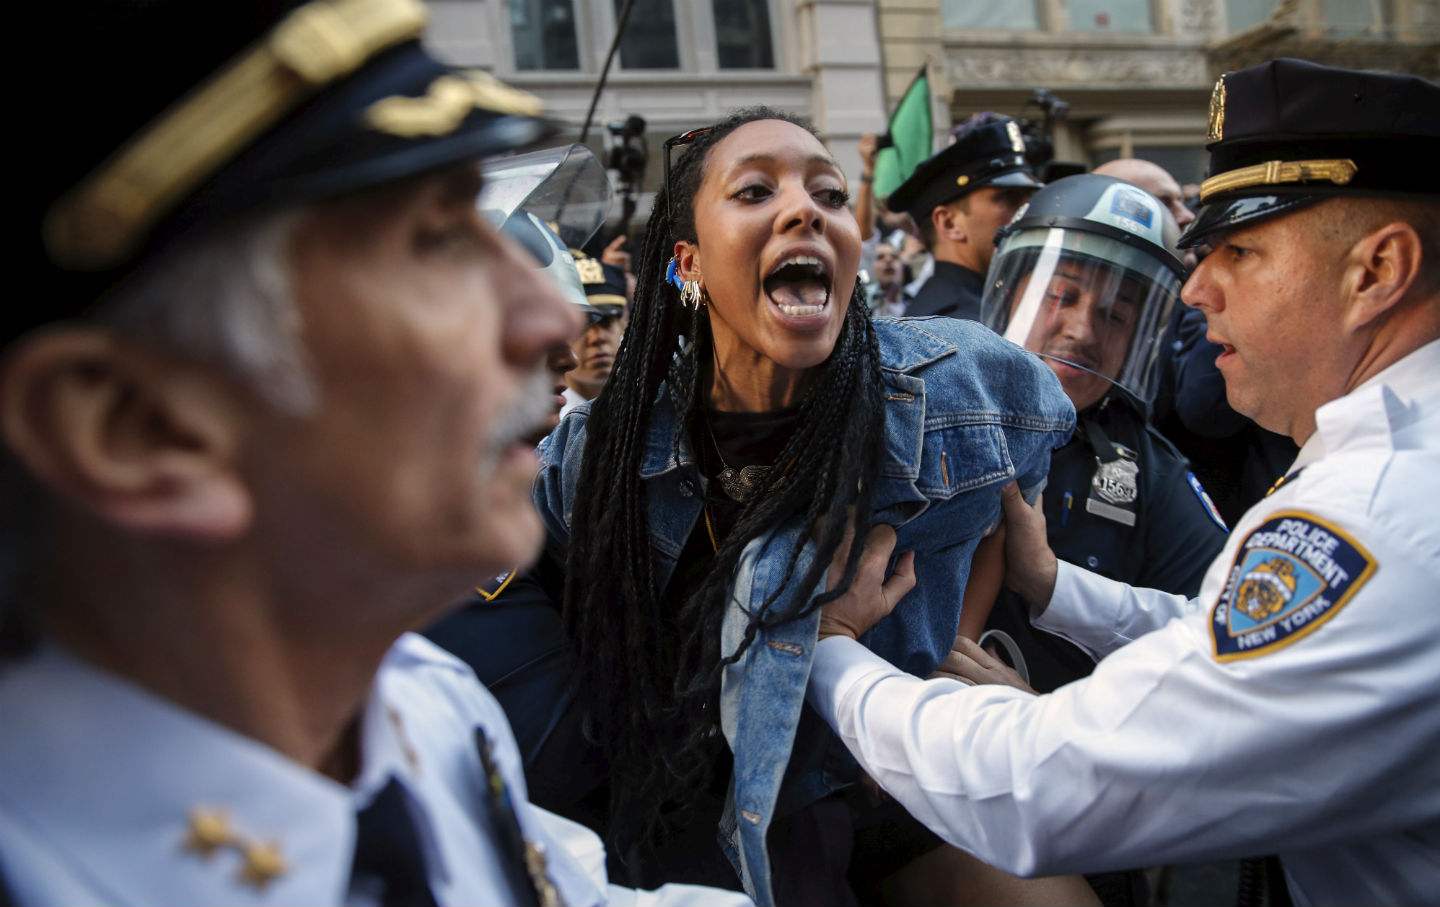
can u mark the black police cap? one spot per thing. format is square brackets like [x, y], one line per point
[988, 154]
[171, 116]
[1290, 133]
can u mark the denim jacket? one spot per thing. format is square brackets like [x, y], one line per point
[965, 413]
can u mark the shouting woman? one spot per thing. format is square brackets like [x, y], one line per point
[755, 414]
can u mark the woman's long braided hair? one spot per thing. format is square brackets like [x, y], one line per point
[647, 670]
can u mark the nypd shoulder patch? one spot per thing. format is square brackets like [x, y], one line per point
[1291, 574]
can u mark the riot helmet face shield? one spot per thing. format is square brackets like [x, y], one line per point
[549, 201]
[1095, 308]
[1086, 276]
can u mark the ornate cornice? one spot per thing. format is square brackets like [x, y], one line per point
[1091, 67]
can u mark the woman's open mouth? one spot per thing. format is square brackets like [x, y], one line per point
[799, 286]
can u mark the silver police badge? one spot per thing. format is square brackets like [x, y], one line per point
[1115, 487]
[1116, 482]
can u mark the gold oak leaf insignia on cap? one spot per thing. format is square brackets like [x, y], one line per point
[591, 270]
[1216, 130]
[446, 104]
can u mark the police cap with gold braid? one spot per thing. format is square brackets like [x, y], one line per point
[985, 154]
[168, 117]
[1290, 133]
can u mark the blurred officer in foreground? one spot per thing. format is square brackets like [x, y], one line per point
[1290, 708]
[267, 415]
[508, 629]
[959, 198]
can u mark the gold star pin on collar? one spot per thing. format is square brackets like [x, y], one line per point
[209, 831]
[263, 864]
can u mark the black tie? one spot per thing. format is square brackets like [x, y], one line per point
[387, 849]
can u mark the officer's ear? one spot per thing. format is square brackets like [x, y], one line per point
[948, 223]
[1380, 270]
[139, 439]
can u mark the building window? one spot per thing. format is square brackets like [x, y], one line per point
[1015, 15]
[742, 34]
[649, 41]
[543, 34]
[1110, 15]
[1243, 14]
[1352, 18]
[1345, 18]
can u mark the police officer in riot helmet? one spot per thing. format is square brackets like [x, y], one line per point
[1087, 278]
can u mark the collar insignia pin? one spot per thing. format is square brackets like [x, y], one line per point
[209, 831]
[263, 864]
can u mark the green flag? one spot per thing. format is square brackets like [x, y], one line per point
[909, 137]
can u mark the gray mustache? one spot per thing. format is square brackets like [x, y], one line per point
[529, 413]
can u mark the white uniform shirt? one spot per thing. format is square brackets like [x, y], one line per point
[572, 400]
[100, 783]
[1293, 708]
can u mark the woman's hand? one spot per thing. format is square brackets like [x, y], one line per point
[969, 663]
[872, 595]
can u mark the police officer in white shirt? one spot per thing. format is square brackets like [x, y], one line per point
[1290, 708]
[265, 406]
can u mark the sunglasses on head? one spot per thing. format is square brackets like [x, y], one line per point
[678, 141]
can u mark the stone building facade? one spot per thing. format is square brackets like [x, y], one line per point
[1136, 74]
[683, 63]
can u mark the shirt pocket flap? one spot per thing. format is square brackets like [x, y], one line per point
[962, 457]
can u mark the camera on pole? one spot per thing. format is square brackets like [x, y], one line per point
[627, 156]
